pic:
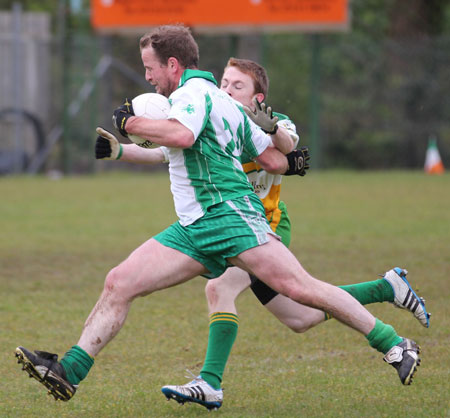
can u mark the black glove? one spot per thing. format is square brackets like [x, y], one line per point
[121, 115]
[298, 161]
[107, 146]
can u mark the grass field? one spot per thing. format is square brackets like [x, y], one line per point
[60, 238]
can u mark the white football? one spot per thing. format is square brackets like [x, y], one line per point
[151, 106]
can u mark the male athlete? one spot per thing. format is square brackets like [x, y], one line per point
[247, 82]
[221, 219]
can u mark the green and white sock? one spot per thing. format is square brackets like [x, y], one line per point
[223, 329]
[76, 363]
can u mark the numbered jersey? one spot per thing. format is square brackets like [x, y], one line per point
[268, 186]
[210, 171]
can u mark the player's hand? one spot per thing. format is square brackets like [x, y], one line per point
[263, 117]
[121, 115]
[298, 161]
[107, 147]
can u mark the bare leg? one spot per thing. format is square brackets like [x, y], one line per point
[221, 293]
[290, 279]
[299, 318]
[143, 272]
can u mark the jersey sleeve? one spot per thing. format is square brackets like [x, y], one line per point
[165, 152]
[287, 124]
[189, 108]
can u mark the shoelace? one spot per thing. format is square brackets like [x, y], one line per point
[195, 378]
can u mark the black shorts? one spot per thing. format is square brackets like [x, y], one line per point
[263, 292]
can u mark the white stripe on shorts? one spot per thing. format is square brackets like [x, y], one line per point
[261, 235]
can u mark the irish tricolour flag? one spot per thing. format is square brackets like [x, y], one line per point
[433, 162]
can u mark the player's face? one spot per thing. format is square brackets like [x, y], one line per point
[157, 74]
[238, 85]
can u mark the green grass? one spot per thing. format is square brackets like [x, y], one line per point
[60, 238]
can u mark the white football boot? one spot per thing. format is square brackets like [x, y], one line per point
[405, 297]
[197, 391]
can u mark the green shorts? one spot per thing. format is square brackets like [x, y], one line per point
[226, 230]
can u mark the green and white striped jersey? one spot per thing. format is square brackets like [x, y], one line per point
[210, 171]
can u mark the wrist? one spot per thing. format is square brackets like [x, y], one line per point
[119, 155]
[274, 131]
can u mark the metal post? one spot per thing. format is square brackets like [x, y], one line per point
[314, 102]
[234, 42]
[17, 84]
[65, 61]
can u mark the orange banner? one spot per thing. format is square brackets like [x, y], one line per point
[222, 14]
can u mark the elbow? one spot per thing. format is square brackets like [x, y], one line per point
[287, 148]
[181, 137]
[186, 140]
[273, 161]
[275, 165]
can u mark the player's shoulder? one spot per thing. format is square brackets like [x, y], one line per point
[191, 86]
[188, 98]
[281, 116]
[285, 121]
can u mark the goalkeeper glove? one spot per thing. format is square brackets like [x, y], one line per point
[263, 117]
[107, 147]
[298, 161]
[121, 116]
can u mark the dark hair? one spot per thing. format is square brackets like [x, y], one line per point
[172, 41]
[255, 71]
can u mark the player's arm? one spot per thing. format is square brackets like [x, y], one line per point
[166, 132]
[283, 140]
[294, 163]
[107, 147]
[273, 161]
[268, 157]
[133, 153]
[264, 118]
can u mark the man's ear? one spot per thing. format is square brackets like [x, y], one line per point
[172, 64]
[259, 97]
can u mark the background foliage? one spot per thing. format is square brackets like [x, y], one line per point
[383, 87]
